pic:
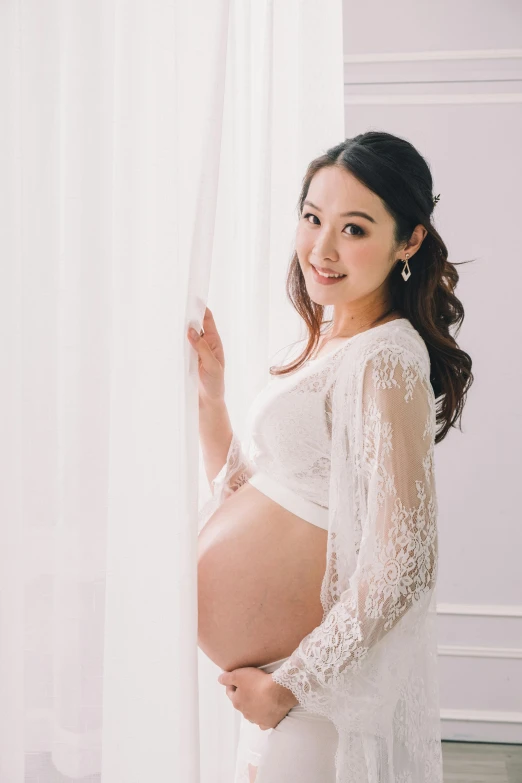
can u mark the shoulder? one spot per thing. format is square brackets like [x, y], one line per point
[388, 359]
[394, 343]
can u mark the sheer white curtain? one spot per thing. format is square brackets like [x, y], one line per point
[150, 155]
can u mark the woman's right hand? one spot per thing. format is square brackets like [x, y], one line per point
[211, 360]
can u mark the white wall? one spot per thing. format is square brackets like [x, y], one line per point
[448, 77]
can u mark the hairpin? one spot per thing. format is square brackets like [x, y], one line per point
[435, 199]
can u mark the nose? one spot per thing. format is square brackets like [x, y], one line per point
[324, 249]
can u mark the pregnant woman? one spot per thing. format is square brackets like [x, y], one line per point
[318, 553]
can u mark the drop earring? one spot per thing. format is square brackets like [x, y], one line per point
[406, 271]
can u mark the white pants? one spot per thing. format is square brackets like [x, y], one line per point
[301, 748]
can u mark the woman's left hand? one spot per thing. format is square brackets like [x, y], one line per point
[257, 696]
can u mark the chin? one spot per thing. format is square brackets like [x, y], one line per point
[324, 301]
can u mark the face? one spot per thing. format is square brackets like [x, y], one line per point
[359, 247]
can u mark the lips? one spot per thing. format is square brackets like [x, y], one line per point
[325, 280]
[325, 270]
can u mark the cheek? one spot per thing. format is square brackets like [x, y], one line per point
[361, 252]
[355, 260]
[360, 256]
[303, 244]
[357, 256]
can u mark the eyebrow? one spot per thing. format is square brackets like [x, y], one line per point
[344, 214]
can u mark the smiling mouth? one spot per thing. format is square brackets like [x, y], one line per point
[323, 279]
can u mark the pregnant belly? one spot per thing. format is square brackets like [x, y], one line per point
[260, 569]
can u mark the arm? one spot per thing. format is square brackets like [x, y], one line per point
[215, 435]
[227, 467]
[225, 464]
[236, 470]
[396, 561]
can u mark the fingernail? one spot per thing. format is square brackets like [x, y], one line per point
[193, 333]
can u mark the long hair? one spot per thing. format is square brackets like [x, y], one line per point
[392, 168]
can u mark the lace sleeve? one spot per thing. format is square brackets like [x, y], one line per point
[395, 564]
[236, 470]
[234, 473]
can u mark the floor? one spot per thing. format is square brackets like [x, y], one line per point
[480, 762]
[464, 762]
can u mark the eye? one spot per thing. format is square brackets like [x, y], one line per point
[353, 225]
[309, 214]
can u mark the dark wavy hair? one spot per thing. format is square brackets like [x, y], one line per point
[392, 168]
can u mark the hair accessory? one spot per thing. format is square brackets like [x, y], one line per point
[435, 199]
[406, 271]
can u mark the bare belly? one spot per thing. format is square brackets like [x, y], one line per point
[260, 569]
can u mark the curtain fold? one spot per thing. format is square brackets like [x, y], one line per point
[151, 158]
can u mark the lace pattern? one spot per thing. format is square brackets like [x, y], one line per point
[370, 665]
[236, 470]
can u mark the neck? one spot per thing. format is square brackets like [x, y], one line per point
[348, 326]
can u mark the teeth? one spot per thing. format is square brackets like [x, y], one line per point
[323, 275]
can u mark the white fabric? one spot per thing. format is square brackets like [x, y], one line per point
[300, 748]
[289, 499]
[282, 414]
[111, 114]
[144, 146]
[285, 413]
[371, 665]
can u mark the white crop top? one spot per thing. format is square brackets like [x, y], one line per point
[288, 437]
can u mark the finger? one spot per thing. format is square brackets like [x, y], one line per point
[193, 335]
[226, 678]
[233, 696]
[209, 324]
[204, 351]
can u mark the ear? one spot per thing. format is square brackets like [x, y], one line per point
[417, 238]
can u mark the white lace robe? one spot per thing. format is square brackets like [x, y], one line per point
[371, 665]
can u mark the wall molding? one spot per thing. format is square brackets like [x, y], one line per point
[481, 610]
[481, 716]
[481, 726]
[461, 99]
[474, 651]
[446, 54]
[437, 77]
